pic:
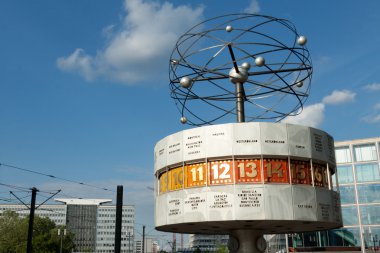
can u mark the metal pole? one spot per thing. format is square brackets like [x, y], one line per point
[240, 103]
[287, 243]
[129, 241]
[119, 214]
[60, 234]
[31, 220]
[143, 241]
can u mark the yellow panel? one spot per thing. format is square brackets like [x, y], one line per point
[163, 182]
[176, 179]
[196, 175]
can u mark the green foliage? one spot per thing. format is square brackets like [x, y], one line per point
[222, 249]
[14, 234]
[197, 250]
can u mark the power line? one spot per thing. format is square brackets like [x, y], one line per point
[22, 189]
[6, 200]
[54, 177]
[28, 189]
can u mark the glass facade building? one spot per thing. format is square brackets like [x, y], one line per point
[358, 179]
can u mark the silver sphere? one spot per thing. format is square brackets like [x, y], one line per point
[185, 82]
[229, 28]
[183, 120]
[301, 40]
[260, 61]
[240, 77]
[246, 65]
[299, 84]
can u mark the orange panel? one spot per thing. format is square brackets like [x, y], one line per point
[301, 172]
[220, 172]
[163, 182]
[248, 171]
[275, 170]
[320, 175]
[175, 179]
[195, 175]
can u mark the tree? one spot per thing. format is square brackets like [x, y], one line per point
[222, 249]
[197, 250]
[13, 235]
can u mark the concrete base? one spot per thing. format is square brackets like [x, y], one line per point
[246, 241]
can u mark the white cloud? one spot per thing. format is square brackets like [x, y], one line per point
[140, 50]
[339, 97]
[373, 87]
[372, 118]
[311, 115]
[78, 62]
[253, 7]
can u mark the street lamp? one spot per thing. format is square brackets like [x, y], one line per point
[61, 235]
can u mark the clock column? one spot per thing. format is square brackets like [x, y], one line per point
[242, 241]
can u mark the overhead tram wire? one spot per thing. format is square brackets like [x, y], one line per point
[54, 177]
[27, 189]
[20, 188]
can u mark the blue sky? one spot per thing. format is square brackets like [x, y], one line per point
[84, 84]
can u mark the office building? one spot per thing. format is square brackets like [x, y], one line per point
[207, 243]
[91, 220]
[359, 186]
[151, 246]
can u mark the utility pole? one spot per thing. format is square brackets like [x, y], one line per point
[32, 208]
[31, 220]
[119, 215]
[143, 240]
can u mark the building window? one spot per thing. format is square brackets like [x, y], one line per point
[342, 155]
[365, 152]
[367, 172]
[350, 215]
[347, 194]
[370, 215]
[370, 235]
[369, 193]
[345, 174]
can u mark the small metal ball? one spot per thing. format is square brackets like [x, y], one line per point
[299, 84]
[183, 120]
[229, 28]
[246, 65]
[240, 77]
[260, 61]
[185, 82]
[301, 40]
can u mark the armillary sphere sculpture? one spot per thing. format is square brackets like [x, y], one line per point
[245, 179]
[259, 62]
